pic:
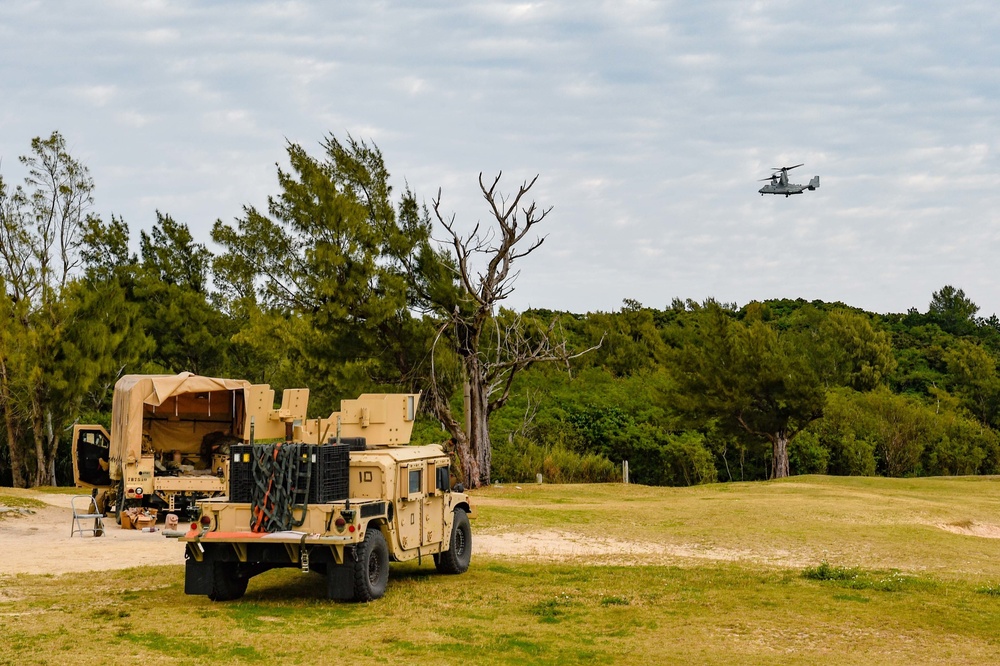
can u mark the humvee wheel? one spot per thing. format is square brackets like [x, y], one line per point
[456, 559]
[371, 570]
[227, 585]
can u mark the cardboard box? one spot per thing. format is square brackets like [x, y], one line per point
[146, 518]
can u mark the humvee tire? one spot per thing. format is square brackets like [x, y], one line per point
[371, 569]
[456, 559]
[227, 585]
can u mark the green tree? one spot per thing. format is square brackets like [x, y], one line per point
[333, 257]
[845, 432]
[973, 374]
[901, 428]
[111, 272]
[953, 311]
[41, 233]
[752, 378]
[630, 342]
[852, 353]
[59, 331]
[171, 287]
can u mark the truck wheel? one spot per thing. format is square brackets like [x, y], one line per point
[456, 559]
[227, 584]
[371, 570]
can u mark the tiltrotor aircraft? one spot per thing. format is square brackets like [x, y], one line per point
[779, 183]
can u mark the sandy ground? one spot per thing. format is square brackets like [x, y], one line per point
[41, 543]
[969, 528]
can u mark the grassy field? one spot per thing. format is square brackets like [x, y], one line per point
[809, 570]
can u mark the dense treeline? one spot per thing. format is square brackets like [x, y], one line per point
[338, 287]
[705, 392]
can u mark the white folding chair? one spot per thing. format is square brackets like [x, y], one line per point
[83, 512]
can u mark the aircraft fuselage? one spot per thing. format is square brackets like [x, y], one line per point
[786, 188]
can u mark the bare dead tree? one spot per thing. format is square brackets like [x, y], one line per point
[493, 345]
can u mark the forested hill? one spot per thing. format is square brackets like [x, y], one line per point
[339, 286]
[697, 392]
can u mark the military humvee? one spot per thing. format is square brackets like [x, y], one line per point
[343, 508]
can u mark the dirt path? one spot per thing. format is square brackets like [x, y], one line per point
[40, 543]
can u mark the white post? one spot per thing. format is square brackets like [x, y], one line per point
[538, 477]
[625, 472]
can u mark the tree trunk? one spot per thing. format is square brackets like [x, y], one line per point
[779, 457]
[14, 447]
[479, 440]
[466, 461]
[12, 428]
[45, 463]
[40, 467]
[52, 440]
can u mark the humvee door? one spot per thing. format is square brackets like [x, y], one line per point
[91, 445]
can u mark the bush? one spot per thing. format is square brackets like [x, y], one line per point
[687, 461]
[855, 457]
[861, 579]
[838, 433]
[806, 455]
[519, 460]
[960, 448]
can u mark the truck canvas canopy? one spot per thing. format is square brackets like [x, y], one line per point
[173, 413]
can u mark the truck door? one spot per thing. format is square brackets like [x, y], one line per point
[409, 509]
[91, 444]
[433, 509]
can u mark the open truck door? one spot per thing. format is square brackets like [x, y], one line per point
[91, 460]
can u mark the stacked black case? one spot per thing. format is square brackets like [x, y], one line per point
[328, 475]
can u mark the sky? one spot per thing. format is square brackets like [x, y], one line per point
[649, 125]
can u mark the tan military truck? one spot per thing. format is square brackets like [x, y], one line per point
[343, 509]
[170, 435]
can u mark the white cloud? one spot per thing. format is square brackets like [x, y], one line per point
[133, 118]
[646, 120]
[98, 95]
[412, 85]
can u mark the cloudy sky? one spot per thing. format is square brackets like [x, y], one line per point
[648, 123]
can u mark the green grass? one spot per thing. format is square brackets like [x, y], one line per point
[875, 523]
[885, 587]
[20, 502]
[545, 614]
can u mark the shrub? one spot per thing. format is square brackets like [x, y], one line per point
[519, 460]
[960, 448]
[806, 455]
[687, 460]
[860, 579]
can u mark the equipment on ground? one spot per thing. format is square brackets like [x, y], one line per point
[779, 183]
